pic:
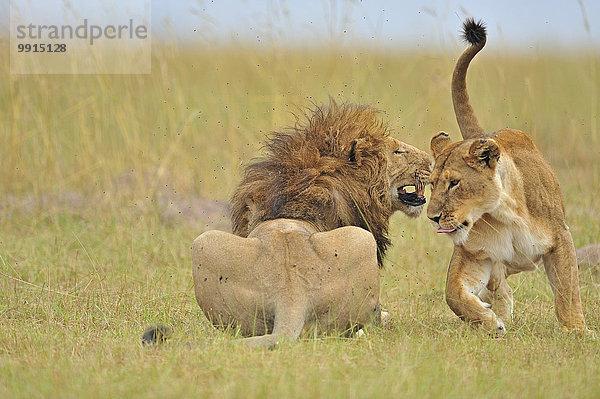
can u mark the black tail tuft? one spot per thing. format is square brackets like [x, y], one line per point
[156, 334]
[473, 32]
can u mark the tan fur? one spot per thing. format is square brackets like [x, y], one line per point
[284, 276]
[303, 216]
[501, 204]
[465, 116]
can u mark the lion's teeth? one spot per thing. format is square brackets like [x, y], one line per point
[420, 188]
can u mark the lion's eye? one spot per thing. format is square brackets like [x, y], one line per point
[453, 183]
[398, 152]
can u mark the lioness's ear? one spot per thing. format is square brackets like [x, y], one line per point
[439, 142]
[483, 153]
[356, 152]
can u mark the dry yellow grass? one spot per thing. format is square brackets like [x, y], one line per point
[90, 255]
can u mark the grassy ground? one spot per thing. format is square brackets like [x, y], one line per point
[106, 180]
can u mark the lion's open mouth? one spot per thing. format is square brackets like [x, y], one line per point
[412, 195]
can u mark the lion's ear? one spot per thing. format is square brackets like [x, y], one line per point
[484, 153]
[439, 142]
[358, 151]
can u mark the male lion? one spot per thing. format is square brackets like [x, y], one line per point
[500, 203]
[310, 218]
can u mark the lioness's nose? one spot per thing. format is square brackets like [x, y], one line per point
[435, 218]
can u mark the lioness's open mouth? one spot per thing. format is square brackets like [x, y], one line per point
[414, 198]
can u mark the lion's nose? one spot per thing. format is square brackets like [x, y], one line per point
[435, 218]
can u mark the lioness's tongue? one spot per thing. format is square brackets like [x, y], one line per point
[445, 230]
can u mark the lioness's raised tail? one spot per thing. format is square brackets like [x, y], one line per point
[475, 34]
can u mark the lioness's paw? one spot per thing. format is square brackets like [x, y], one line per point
[590, 334]
[580, 332]
[385, 318]
[495, 326]
[498, 330]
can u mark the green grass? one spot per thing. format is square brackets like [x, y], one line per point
[89, 258]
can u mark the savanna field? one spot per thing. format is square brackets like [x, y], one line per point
[106, 180]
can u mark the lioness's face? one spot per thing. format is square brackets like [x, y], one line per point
[408, 172]
[464, 185]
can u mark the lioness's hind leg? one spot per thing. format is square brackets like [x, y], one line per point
[562, 271]
[502, 302]
[498, 293]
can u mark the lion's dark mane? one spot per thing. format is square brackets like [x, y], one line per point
[330, 169]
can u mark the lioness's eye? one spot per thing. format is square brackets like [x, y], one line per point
[453, 183]
[398, 152]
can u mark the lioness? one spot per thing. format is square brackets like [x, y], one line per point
[311, 219]
[500, 203]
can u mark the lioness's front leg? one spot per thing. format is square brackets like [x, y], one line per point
[466, 278]
[561, 267]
